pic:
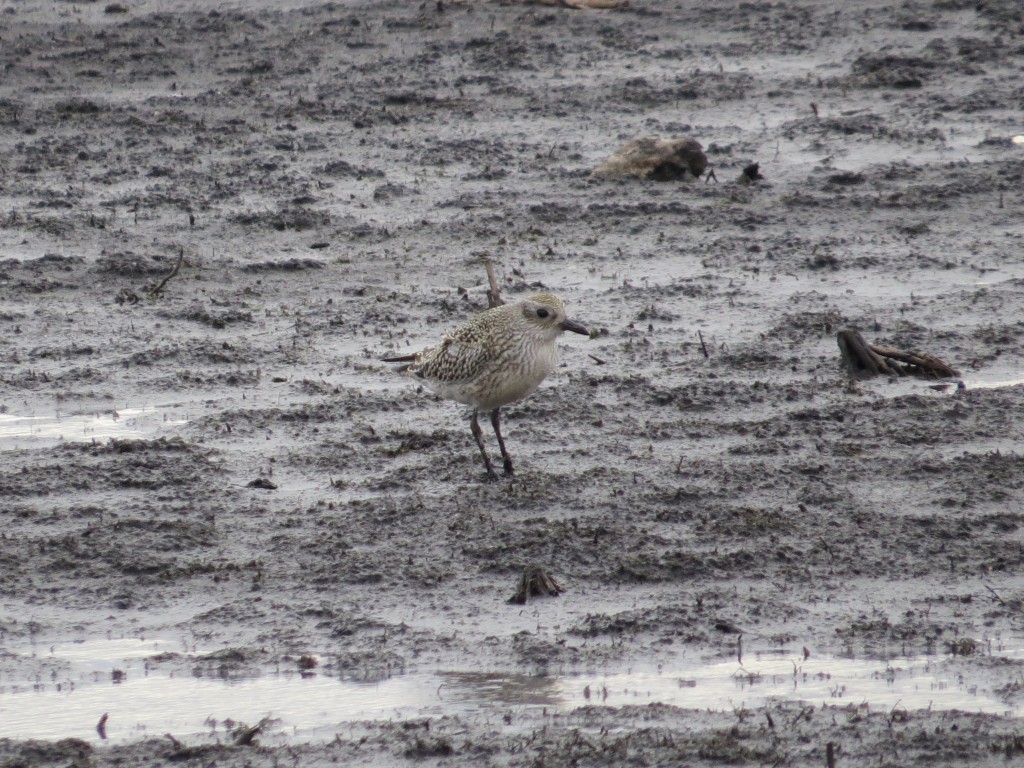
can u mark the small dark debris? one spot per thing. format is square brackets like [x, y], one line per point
[752, 173]
[964, 646]
[262, 482]
[387, 192]
[415, 441]
[422, 749]
[846, 178]
[823, 261]
[917, 25]
[76, 107]
[127, 296]
[286, 265]
[246, 735]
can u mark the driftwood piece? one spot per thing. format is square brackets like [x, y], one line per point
[860, 360]
[535, 582]
[863, 360]
[918, 364]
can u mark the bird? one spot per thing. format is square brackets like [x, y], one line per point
[495, 358]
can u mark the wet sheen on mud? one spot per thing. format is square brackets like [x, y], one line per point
[115, 677]
[33, 431]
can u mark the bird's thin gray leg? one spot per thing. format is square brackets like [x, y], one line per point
[501, 441]
[474, 426]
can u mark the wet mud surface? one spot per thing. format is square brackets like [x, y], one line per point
[331, 176]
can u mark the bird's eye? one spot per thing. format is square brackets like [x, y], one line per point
[542, 313]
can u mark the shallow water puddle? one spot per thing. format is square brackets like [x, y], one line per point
[33, 431]
[115, 678]
[993, 383]
[908, 385]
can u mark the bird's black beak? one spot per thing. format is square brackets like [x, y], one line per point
[575, 327]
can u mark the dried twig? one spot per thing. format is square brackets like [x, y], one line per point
[805, 712]
[995, 595]
[494, 292]
[156, 290]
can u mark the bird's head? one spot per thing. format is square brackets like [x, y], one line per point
[546, 312]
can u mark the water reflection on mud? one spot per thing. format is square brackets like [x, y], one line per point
[33, 431]
[124, 680]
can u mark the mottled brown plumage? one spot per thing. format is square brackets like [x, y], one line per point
[657, 159]
[495, 358]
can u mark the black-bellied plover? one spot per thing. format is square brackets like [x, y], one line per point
[495, 358]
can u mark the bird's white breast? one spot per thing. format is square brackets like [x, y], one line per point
[511, 377]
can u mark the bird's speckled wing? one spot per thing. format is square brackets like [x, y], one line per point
[461, 356]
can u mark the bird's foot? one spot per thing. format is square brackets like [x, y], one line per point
[492, 476]
[508, 467]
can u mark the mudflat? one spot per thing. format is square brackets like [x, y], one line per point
[217, 218]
